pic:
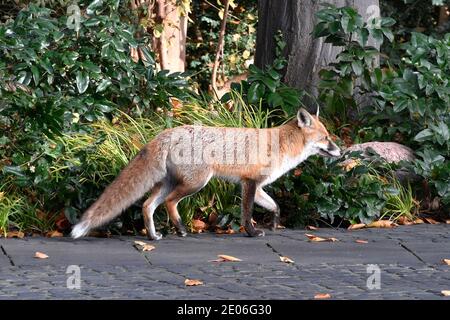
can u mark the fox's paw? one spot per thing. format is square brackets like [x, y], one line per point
[156, 236]
[182, 233]
[256, 233]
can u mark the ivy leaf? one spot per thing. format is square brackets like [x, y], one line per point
[90, 10]
[377, 34]
[400, 105]
[105, 83]
[36, 74]
[424, 135]
[388, 34]
[82, 81]
[357, 67]
[387, 22]
[362, 36]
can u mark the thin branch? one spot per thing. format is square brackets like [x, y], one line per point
[219, 51]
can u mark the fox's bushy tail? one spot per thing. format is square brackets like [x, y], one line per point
[138, 177]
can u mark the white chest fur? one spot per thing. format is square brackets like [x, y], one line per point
[287, 163]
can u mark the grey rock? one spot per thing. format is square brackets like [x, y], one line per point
[392, 152]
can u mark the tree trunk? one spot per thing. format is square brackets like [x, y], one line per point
[443, 16]
[169, 30]
[296, 20]
[171, 44]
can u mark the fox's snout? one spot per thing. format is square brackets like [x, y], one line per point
[329, 149]
[333, 149]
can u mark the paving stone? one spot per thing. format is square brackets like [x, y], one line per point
[66, 251]
[342, 253]
[114, 269]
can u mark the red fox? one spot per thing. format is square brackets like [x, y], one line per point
[180, 161]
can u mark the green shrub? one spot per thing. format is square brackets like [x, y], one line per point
[54, 82]
[415, 88]
[324, 188]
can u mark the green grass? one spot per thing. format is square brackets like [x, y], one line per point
[105, 150]
[217, 114]
[16, 212]
[10, 207]
[402, 204]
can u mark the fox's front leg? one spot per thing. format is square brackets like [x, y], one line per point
[248, 198]
[265, 201]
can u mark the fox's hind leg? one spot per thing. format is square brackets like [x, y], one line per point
[181, 191]
[265, 201]
[248, 198]
[158, 194]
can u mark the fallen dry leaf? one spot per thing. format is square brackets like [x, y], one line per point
[446, 261]
[418, 221]
[314, 238]
[431, 221]
[40, 255]
[199, 226]
[404, 221]
[15, 234]
[148, 247]
[357, 226]
[230, 231]
[227, 231]
[286, 260]
[177, 105]
[361, 241]
[311, 228]
[221, 231]
[447, 221]
[226, 258]
[382, 224]
[349, 164]
[193, 282]
[322, 296]
[144, 246]
[54, 234]
[446, 293]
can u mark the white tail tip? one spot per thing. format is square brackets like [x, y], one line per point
[80, 229]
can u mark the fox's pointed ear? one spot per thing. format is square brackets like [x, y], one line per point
[303, 118]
